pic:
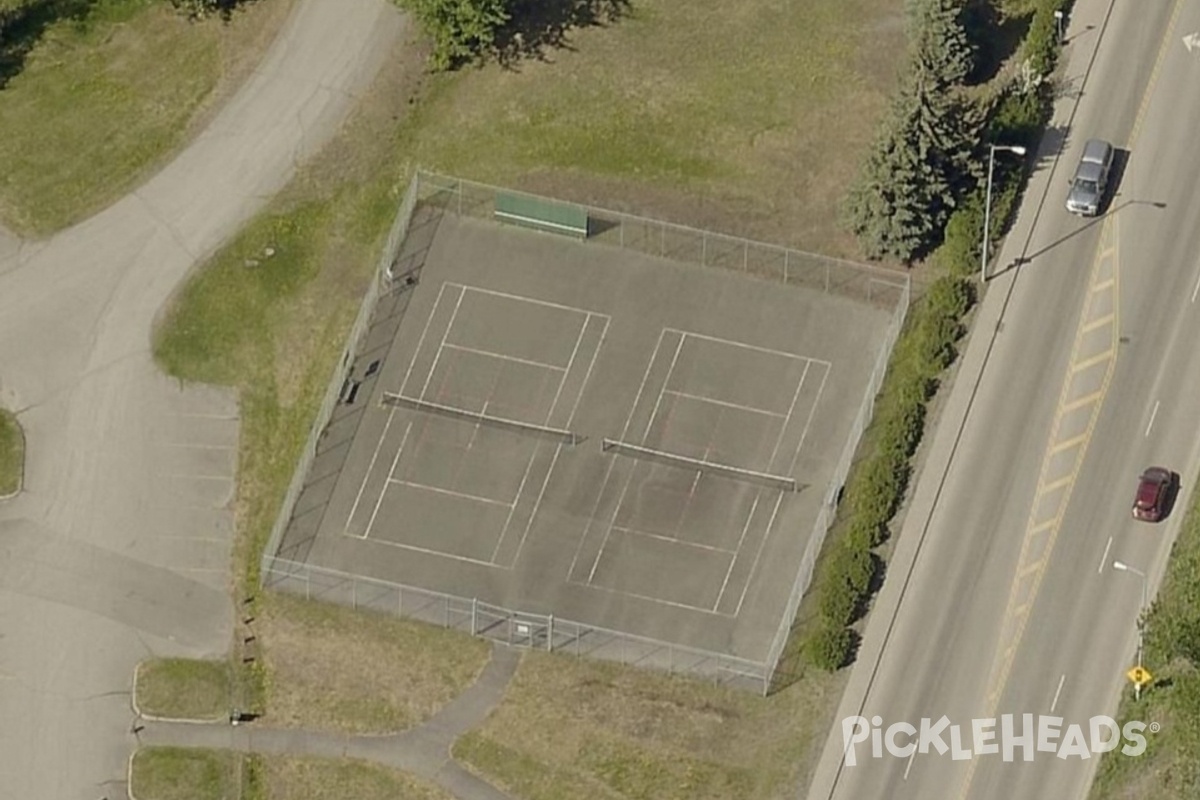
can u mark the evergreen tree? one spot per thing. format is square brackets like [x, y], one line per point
[940, 47]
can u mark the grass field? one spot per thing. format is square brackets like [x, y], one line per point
[334, 668]
[97, 102]
[167, 773]
[577, 728]
[1170, 767]
[174, 773]
[746, 117]
[12, 453]
[182, 688]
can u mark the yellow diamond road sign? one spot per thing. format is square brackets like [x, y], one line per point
[1139, 675]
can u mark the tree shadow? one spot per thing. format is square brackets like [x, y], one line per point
[996, 38]
[536, 26]
[21, 28]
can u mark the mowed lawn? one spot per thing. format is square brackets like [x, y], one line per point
[750, 117]
[93, 103]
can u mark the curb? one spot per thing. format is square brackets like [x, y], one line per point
[154, 717]
[21, 470]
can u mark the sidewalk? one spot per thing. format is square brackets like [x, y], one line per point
[423, 751]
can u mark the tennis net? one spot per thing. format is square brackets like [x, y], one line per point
[778, 482]
[475, 417]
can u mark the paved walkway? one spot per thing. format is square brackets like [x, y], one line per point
[424, 750]
[118, 548]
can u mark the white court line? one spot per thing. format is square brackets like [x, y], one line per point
[725, 403]
[757, 495]
[1153, 414]
[421, 342]
[665, 384]
[650, 599]
[371, 468]
[513, 507]
[673, 540]
[778, 500]
[741, 541]
[438, 355]
[562, 380]
[438, 553]
[1057, 692]
[383, 491]
[461, 495]
[530, 362]
[558, 451]
[591, 520]
[645, 377]
[911, 756]
[522, 298]
[1104, 558]
[748, 346]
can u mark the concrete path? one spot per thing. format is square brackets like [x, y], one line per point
[118, 549]
[424, 750]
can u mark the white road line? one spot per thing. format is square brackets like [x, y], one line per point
[1104, 558]
[1057, 692]
[1153, 414]
[1196, 290]
[911, 757]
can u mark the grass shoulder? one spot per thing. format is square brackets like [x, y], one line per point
[1170, 767]
[182, 688]
[96, 101]
[12, 454]
[172, 773]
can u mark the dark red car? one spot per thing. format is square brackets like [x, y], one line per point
[1153, 493]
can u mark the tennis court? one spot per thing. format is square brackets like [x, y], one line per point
[573, 429]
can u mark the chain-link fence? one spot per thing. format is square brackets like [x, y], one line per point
[874, 285]
[878, 287]
[517, 628]
[828, 510]
[341, 372]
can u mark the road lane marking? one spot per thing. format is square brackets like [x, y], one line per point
[1081, 402]
[1074, 441]
[1087, 363]
[1137, 125]
[911, 756]
[1153, 414]
[1104, 558]
[1197, 289]
[1057, 692]
[1098, 323]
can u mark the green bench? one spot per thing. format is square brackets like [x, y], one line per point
[544, 215]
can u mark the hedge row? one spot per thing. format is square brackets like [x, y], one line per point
[927, 346]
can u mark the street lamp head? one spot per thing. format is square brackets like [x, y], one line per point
[1012, 148]
[1121, 565]
[1018, 149]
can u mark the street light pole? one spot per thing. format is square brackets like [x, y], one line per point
[987, 202]
[1123, 567]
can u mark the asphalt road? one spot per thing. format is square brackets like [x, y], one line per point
[118, 549]
[1081, 371]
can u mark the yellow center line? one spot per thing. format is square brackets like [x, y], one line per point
[1100, 323]
[1057, 484]
[1088, 363]
[1074, 441]
[1080, 403]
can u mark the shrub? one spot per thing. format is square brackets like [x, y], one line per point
[828, 647]
[839, 603]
